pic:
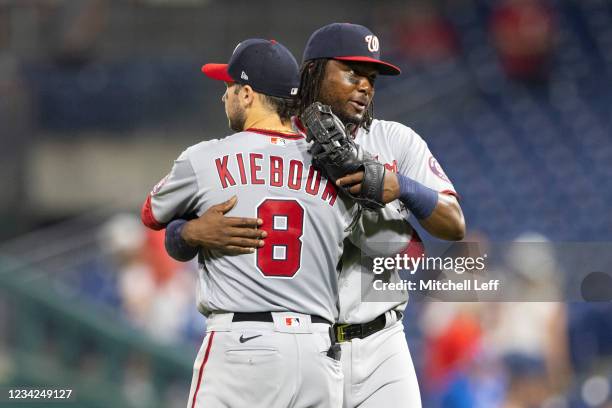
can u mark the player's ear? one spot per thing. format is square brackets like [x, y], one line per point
[247, 95]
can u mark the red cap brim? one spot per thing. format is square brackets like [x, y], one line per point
[217, 71]
[384, 67]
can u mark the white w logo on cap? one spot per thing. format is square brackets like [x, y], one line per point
[372, 41]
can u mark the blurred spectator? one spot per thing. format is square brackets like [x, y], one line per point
[453, 334]
[480, 384]
[531, 336]
[424, 36]
[156, 292]
[453, 337]
[523, 32]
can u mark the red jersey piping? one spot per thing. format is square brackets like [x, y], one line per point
[275, 133]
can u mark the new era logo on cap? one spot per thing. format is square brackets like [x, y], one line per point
[272, 70]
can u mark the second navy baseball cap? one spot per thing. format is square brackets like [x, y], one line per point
[266, 65]
[347, 42]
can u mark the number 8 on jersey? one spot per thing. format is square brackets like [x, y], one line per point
[281, 255]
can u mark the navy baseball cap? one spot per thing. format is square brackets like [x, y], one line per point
[347, 42]
[266, 65]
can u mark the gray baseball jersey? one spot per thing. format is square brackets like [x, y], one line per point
[303, 214]
[403, 151]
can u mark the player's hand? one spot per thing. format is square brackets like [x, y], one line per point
[229, 235]
[390, 188]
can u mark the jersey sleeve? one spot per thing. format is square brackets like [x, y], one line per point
[384, 232]
[173, 197]
[416, 161]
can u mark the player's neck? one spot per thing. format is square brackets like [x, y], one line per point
[266, 120]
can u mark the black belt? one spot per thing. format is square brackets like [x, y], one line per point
[348, 332]
[267, 317]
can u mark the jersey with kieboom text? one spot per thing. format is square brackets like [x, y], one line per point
[403, 151]
[305, 218]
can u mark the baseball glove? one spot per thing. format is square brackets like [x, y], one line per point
[336, 154]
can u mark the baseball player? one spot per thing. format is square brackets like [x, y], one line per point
[269, 340]
[340, 65]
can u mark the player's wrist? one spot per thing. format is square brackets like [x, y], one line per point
[391, 188]
[176, 246]
[186, 232]
[418, 198]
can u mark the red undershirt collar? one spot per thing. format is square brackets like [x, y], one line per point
[275, 133]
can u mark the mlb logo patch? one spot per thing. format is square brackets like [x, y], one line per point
[292, 321]
[278, 141]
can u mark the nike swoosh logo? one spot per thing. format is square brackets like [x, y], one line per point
[243, 339]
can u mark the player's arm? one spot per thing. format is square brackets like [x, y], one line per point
[420, 184]
[446, 221]
[438, 212]
[175, 196]
[176, 246]
[214, 230]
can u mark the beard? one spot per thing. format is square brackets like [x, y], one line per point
[347, 118]
[341, 110]
[236, 118]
